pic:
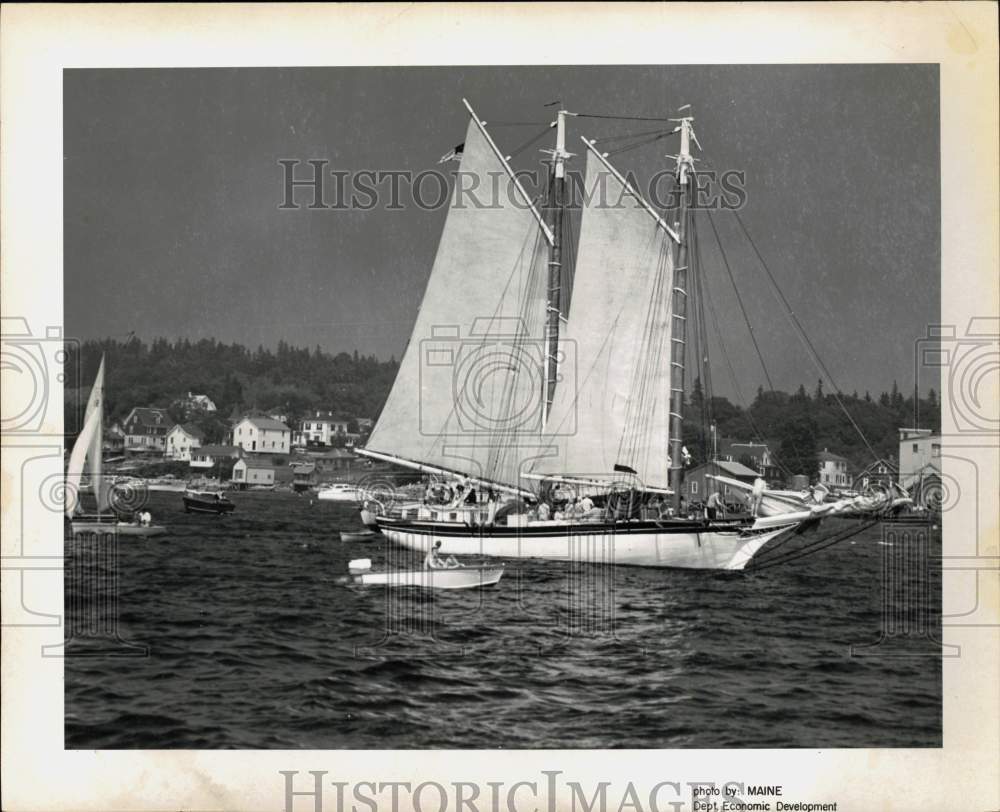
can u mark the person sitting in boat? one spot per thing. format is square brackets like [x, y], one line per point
[145, 518]
[432, 561]
[543, 511]
[714, 506]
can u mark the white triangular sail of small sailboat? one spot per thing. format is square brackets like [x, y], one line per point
[87, 451]
[616, 412]
[467, 396]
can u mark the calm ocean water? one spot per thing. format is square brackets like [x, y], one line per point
[254, 642]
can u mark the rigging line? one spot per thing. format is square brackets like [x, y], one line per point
[732, 375]
[816, 546]
[739, 299]
[651, 348]
[505, 439]
[492, 123]
[438, 445]
[803, 336]
[528, 143]
[626, 136]
[640, 406]
[701, 340]
[621, 118]
[630, 147]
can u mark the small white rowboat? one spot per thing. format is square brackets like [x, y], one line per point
[360, 535]
[471, 577]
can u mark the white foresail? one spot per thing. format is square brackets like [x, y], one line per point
[87, 449]
[616, 410]
[468, 394]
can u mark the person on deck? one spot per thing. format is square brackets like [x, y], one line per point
[714, 506]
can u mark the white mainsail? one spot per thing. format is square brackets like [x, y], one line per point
[87, 449]
[616, 412]
[468, 394]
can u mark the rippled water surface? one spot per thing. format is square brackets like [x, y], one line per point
[255, 642]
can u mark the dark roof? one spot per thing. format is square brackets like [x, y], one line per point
[733, 469]
[258, 465]
[827, 456]
[266, 423]
[149, 417]
[191, 429]
[219, 450]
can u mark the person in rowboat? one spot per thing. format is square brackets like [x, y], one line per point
[432, 561]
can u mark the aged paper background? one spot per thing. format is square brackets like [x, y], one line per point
[39, 41]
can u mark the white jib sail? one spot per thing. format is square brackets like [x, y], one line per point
[87, 449]
[468, 396]
[614, 410]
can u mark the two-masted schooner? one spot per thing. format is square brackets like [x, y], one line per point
[500, 387]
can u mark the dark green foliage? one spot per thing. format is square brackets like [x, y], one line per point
[296, 381]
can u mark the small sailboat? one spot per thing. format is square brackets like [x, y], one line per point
[87, 453]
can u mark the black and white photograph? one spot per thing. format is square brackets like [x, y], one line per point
[543, 406]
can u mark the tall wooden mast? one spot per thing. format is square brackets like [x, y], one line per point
[557, 205]
[678, 338]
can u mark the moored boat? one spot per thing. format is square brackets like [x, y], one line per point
[88, 524]
[462, 577]
[359, 535]
[339, 492]
[207, 502]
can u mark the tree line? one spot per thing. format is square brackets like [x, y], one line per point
[797, 426]
[299, 381]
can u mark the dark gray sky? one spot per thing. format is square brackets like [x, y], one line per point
[172, 188]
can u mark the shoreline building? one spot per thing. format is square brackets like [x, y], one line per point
[145, 430]
[920, 466]
[181, 440]
[262, 435]
[833, 469]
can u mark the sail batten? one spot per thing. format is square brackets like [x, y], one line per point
[614, 415]
[468, 393]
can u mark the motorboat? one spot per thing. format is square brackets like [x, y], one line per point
[207, 502]
[339, 492]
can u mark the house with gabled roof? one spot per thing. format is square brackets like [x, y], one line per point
[182, 439]
[833, 469]
[262, 435]
[698, 482]
[146, 430]
[252, 471]
[879, 474]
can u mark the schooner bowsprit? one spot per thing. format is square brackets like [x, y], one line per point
[491, 343]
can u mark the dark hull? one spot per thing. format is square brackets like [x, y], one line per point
[193, 505]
